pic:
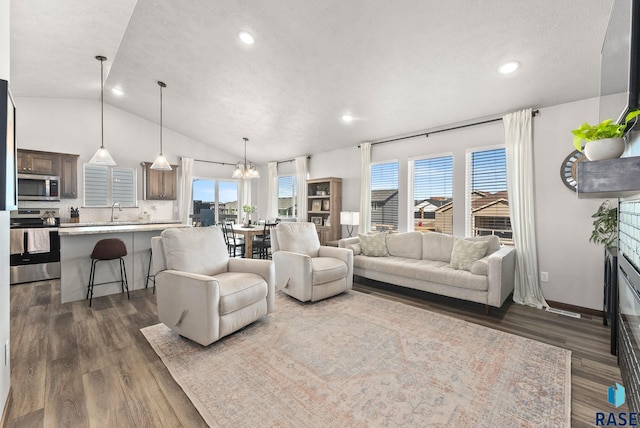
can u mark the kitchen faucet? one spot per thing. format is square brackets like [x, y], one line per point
[115, 204]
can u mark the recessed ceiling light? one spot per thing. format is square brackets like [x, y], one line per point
[246, 38]
[509, 67]
[347, 118]
[117, 91]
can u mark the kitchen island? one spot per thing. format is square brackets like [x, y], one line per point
[76, 244]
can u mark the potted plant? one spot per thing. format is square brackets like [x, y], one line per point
[248, 209]
[604, 140]
[605, 225]
[322, 189]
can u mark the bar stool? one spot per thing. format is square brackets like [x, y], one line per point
[108, 249]
[150, 277]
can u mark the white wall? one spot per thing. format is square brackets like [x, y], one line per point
[5, 370]
[73, 126]
[563, 221]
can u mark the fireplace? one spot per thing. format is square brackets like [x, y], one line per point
[629, 300]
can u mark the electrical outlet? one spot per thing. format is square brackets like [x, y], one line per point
[544, 276]
[7, 353]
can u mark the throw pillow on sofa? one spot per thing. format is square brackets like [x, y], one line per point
[466, 252]
[374, 245]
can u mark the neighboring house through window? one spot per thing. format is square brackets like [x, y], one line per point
[287, 196]
[487, 198]
[432, 186]
[214, 201]
[384, 196]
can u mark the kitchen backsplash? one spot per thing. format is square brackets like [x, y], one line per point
[157, 210]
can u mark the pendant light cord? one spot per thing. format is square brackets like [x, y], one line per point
[102, 101]
[245, 153]
[162, 85]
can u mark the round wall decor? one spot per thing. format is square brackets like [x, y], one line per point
[568, 169]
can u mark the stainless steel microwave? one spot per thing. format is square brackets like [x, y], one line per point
[33, 187]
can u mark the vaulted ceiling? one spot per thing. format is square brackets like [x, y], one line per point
[396, 66]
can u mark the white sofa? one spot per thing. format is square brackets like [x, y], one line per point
[203, 294]
[422, 261]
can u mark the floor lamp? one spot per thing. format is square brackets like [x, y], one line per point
[350, 219]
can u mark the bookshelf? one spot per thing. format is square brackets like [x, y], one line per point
[324, 203]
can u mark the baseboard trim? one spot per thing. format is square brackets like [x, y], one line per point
[578, 309]
[5, 411]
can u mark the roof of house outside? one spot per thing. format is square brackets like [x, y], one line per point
[383, 195]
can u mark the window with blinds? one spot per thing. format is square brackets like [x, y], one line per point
[96, 185]
[105, 185]
[287, 196]
[123, 187]
[433, 194]
[489, 201]
[384, 196]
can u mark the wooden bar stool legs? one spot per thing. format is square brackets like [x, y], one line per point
[104, 250]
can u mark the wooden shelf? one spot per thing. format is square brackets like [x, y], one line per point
[332, 204]
[611, 178]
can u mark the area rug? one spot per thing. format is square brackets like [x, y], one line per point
[357, 360]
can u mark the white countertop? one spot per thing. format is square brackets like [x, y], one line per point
[69, 229]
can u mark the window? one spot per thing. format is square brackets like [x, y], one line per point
[384, 196]
[432, 194]
[487, 196]
[214, 201]
[105, 185]
[287, 196]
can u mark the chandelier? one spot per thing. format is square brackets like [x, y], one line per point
[245, 169]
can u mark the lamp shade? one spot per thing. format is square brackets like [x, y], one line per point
[350, 218]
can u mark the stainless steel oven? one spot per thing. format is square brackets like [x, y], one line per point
[33, 187]
[34, 245]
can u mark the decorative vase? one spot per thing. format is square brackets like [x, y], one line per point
[245, 223]
[607, 148]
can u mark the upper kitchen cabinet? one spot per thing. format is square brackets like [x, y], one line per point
[49, 163]
[68, 176]
[160, 185]
[35, 162]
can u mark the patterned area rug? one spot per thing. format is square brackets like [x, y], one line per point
[359, 360]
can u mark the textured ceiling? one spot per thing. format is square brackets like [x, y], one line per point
[397, 66]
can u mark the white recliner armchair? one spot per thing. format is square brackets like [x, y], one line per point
[306, 270]
[203, 294]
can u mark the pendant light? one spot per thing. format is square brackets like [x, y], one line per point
[102, 156]
[161, 162]
[245, 170]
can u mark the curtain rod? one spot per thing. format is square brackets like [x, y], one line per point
[426, 134]
[289, 160]
[208, 161]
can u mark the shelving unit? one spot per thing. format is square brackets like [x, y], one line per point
[324, 203]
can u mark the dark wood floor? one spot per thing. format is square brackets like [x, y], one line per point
[77, 366]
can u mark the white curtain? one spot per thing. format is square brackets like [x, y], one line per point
[186, 179]
[272, 200]
[365, 188]
[519, 151]
[301, 180]
[244, 197]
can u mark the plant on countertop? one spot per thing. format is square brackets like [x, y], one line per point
[605, 225]
[605, 129]
[249, 209]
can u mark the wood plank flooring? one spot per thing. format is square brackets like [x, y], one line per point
[77, 366]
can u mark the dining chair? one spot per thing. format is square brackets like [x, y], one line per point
[233, 242]
[262, 243]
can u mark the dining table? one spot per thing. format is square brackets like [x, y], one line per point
[248, 233]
